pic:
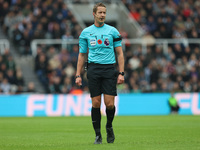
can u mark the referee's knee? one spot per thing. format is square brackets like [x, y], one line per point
[96, 102]
[96, 105]
[109, 106]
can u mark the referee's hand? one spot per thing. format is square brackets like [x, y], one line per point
[120, 79]
[78, 81]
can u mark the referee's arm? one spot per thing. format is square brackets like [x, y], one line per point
[120, 58]
[80, 63]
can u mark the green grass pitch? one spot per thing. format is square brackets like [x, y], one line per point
[173, 132]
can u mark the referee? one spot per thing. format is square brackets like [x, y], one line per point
[101, 41]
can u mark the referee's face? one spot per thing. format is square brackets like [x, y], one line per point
[100, 15]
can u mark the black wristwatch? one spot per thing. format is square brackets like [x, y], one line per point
[78, 76]
[122, 73]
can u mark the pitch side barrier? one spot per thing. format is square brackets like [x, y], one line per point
[80, 105]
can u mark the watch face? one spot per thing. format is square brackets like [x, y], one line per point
[122, 73]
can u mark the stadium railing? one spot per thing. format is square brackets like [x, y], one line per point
[92, 1]
[61, 42]
[143, 42]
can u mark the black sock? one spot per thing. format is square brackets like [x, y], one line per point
[96, 120]
[110, 113]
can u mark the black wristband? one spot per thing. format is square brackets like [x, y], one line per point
[122, 73]
[78, 76]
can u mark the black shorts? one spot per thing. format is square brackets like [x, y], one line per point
[102, 78]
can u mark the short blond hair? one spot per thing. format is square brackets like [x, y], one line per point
[98, 5]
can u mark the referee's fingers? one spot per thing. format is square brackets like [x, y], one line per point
[120, 81]
[78, 81]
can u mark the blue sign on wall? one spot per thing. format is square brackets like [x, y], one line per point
[80, 105]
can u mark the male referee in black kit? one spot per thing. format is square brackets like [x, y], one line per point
[103, 41]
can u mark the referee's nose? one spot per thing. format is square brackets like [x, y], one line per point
[103, 14]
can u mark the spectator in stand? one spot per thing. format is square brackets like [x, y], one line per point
[1, 76]
[10, 76]
[39, 32]
[4, 10]
[55, 87]
[31, 88]
[3, 69]
[134, 13]
[64, 57]
[19, 78]
[41, 68]
[51, 52]
[56, 32]
[10, 63]
[1, 60]
[69, 70]
[151, 24]
[5, 86]
[67, 37]
[67, 85]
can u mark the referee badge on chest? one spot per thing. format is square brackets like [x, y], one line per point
[106, 42]
[93, 42]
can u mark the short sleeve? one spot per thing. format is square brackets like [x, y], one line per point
[82, 43]
[117, 39]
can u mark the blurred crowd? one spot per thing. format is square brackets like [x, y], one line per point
[152, 71]
[24, 21]
[177, 70]
[11, 76]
